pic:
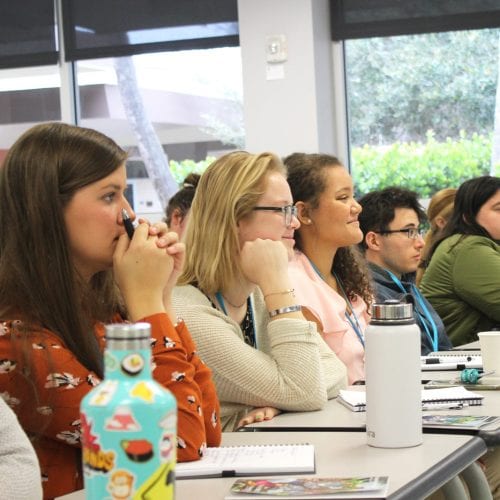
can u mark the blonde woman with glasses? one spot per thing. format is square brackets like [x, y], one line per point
[237, 299]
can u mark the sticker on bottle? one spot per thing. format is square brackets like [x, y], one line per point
[103, 393]
[132, 364]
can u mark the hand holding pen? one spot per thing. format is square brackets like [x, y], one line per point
[166, 240]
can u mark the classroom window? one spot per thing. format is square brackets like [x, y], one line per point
[422, 109]
[27, 96]
[192, 99]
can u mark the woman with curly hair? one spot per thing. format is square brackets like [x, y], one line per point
[331, 281]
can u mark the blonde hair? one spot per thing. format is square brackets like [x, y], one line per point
[440, 205]
[227, 192]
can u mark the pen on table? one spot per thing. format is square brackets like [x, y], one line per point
[443, 406]
[127, 222]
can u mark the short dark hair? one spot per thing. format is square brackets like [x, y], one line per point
[379, 208]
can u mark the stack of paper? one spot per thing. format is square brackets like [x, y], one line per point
[431, 398]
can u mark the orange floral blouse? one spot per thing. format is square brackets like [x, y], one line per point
[45, 392]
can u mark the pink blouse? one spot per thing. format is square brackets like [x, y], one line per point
[330, 309]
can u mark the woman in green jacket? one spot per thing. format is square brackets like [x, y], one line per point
[462, 281]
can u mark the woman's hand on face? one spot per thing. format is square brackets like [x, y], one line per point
[143, 266]
[177, 251]
[169, 240]
[264, 261]
[259, 415]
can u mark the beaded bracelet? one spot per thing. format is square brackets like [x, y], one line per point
[285, 310]
[284, 292]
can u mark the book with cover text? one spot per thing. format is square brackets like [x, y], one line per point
[459, 421]
[309, 488]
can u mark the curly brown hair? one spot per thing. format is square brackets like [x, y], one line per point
[306, 176]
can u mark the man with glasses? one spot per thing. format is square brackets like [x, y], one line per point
[391, 224]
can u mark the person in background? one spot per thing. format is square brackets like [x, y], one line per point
[438, 213]
[331, 283]
[67, 267]
[177, 211]
[19, 470]
[462, 278]
[392, 244]
[236, 296]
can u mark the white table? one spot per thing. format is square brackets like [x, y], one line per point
[336, 417]
[413, 472]
[471, 346]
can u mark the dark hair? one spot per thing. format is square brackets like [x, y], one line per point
[470, 197]
[183, 199]
[41, 173]
[307, 180]
[379, 209]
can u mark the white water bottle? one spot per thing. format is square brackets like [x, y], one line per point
[392, 367]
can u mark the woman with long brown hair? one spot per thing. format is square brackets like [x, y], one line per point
[67, 267]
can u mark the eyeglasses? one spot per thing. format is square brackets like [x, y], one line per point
[412, 232]
[288, 211]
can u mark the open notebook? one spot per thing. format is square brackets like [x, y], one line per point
[248, 460]
[451, 360]
[431, 398]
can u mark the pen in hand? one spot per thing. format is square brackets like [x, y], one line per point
[127, 222]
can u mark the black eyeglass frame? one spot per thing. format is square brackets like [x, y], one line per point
[288, 211]
[411, 232]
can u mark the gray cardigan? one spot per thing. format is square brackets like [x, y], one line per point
[291, 369]
[20, 475]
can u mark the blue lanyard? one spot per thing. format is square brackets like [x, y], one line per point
[351, 316]
[220, 300]
[426, 317]
[250, 338]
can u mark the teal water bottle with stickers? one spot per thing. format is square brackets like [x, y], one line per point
[129, 423]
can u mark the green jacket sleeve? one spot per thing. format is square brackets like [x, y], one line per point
[476, 276]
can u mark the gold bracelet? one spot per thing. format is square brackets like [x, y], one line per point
[284, 292]
[285, 310]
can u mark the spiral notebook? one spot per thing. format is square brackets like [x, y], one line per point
[451, 360]
[227, 461]
[431, 398]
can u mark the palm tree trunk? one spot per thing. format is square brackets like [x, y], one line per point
[150, 148]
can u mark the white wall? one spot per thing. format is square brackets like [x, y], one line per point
[294, 112]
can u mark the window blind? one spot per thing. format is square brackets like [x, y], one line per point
[27, 33]
[373, 18]
[105, 28]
